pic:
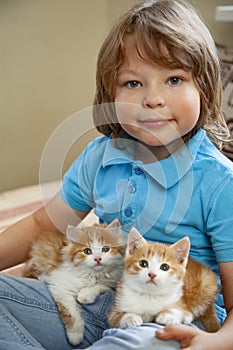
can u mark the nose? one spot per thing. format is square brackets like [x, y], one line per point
[98, 259]
[153, 99]
[151, 275]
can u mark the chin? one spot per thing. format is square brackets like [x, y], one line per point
[155, 139]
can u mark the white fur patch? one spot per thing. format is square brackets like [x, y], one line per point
[130, 319]
[174, 316]
[147, 301]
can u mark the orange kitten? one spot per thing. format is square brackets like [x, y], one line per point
[161, 284]
[78, 268]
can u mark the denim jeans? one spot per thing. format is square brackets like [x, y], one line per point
[29, 320]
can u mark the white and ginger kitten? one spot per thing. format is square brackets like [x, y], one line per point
[79, 267]
[161, 284]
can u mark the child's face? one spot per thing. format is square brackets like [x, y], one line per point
[155, 104]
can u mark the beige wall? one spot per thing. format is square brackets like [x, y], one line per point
[47, 69]
[221, 31]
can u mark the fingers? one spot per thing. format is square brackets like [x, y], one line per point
[178, 332]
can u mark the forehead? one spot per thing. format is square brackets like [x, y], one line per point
[153, 50]
[131, 60]
[135, 51]
[135, 59]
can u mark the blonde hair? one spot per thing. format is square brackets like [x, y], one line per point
[155, 25]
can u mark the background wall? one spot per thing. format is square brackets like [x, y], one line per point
[47, 68]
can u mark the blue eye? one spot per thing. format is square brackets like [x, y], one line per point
[174, 81]
[133, 84]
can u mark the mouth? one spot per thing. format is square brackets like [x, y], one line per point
[151, 282]
[98, 266]
[154, 123]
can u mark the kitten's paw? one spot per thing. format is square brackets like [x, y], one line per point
[187, 317]
[130, 320]
[168, 317]
[75, 330]
[75, 337]
[86, 296]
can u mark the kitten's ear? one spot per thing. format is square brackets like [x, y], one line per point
[115, 227]
[72, 233]
[135, 240]
[115, 224]
[182, 249]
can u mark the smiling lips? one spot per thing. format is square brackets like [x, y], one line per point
[154, 123]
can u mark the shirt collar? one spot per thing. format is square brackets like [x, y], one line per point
[166, 172]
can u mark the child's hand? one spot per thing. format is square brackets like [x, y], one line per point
[190, 338]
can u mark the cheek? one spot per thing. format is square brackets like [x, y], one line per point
[188, 111]
[126, 112]
[79, 259]
[142, 276]
[192, 104]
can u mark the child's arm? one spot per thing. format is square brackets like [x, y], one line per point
[16, 240]
[195, 339]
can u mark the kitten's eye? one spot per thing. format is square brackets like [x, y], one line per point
[105, 249]
[164, 267]
[143, 263]
[87, 251]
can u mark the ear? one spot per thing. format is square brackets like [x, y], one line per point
[135, 240]
[115, 227]
[72, 233]
[181, 249]
[115, 224]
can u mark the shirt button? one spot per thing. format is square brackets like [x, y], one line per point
[128, 212]
[138, 171]
[131, 189]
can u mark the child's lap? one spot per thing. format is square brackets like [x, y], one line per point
[30, 319]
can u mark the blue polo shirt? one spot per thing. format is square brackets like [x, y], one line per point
[189, 193]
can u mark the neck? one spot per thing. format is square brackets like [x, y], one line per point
[150, 154]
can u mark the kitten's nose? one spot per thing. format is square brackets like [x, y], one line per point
[151, 275]
[98, 259]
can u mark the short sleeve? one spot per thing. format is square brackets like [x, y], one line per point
[78, 181]
[220, 219]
